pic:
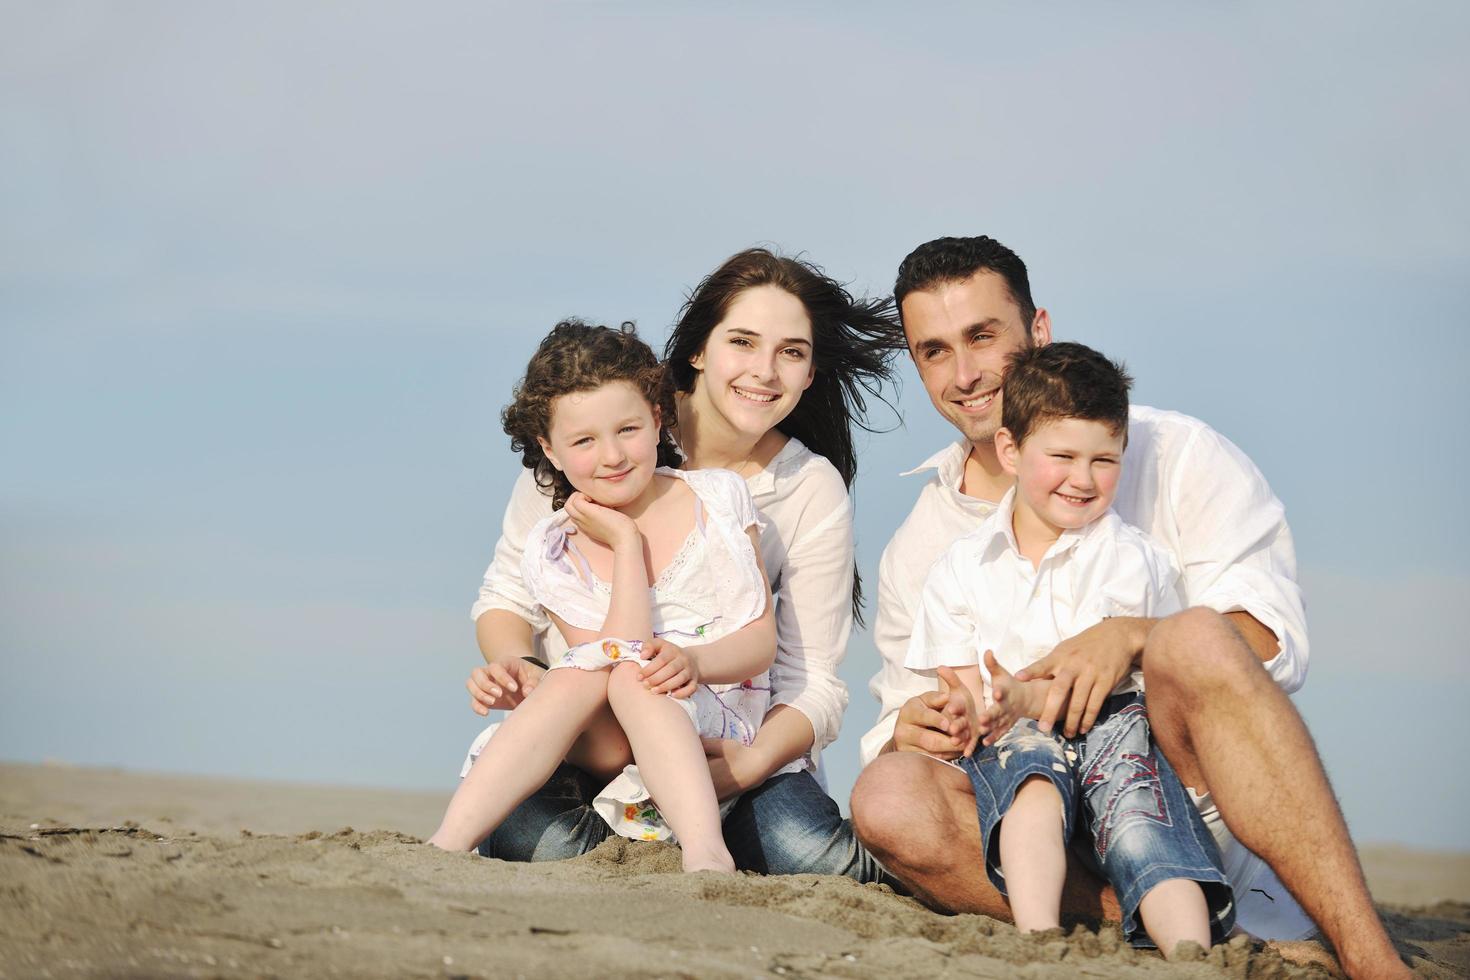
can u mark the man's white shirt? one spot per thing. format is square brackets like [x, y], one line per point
[1185, 485]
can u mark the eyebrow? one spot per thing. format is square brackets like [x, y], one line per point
[784, 340]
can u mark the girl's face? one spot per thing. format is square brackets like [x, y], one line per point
[756, 362]
[605, 441]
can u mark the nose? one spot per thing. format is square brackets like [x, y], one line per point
[1081, 475]
[764, 367]
[967, 369]
[612, 456]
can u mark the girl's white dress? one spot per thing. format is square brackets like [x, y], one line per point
[709, 589]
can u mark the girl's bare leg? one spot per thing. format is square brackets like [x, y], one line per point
[602, 750]
[525, 751]
[671, 761]
[1173, 911]
[1033, 855]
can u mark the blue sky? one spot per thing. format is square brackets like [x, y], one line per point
[270, 270]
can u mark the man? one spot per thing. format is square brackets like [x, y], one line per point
[1217, 674]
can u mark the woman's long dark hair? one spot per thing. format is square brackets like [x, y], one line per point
[853, 342]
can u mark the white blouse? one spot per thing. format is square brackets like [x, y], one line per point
[806, 547]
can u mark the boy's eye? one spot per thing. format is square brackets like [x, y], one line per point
[629, 428]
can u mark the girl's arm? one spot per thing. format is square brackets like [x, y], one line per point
[629, 613]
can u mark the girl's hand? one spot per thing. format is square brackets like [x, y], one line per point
[502, 686]
[610, 527]
[1011, 700]
[671, 670]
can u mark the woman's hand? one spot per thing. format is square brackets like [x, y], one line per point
[501, 686]
[671, 669]
[734, 767]
[610, 527]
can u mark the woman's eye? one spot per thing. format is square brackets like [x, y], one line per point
[795, 353]
[740, 341]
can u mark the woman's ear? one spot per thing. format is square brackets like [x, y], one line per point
[696, 360]
[1006, 450]
[546, 451]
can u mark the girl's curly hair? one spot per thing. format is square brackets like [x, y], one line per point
[578, 356]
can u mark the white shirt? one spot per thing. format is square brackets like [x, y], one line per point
[983, 594]
[806, 548]
[1185, 485]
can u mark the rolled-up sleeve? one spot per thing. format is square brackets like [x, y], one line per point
[814, 613]
[503, 586]
[1235, 549]
[894, 683]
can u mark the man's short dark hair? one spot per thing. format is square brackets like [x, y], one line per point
[947, 260]
[1063, 381]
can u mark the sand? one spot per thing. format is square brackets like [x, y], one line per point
[118, 874]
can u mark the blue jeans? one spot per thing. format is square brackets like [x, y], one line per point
[1139, 822]
[787, 825]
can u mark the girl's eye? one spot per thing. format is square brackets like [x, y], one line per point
[585, 440]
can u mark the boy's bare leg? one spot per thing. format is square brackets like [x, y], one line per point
[525, 751]
[1225, 725]
[671, 761]
[917, 817]
[1033, 855]
[1173, 911]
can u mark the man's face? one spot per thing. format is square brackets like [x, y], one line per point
[960, 335]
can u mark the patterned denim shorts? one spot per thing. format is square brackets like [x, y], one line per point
[1138, 822]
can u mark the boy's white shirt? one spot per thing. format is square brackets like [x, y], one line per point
[1185, 485]
[983, 594]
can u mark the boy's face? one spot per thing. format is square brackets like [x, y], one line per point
[1066, 471]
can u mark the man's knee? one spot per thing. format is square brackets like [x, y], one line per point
[900, 805]
[1197, 652]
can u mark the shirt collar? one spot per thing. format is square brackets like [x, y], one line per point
[949, 461]
[999, 530]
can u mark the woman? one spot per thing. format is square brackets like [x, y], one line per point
[772, 360]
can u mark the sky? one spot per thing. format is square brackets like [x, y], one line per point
[268, 272]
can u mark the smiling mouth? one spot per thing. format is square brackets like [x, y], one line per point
[615, 477]
[978, 402]
[1076, 501]
[760, 398]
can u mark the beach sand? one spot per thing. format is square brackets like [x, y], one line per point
[118, 874]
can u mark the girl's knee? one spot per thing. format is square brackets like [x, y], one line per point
[625, 681]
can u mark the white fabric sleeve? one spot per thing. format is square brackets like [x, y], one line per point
[503, 587]
[814, 611]
[944, 630]
[1131, 576]
[894, 683]
[1235, 549]
[741, 505]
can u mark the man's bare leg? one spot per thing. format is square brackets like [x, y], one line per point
[1224, 725]
[917, 817]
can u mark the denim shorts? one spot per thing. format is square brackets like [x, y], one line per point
[1139, 826]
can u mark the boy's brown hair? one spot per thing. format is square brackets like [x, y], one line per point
[1063, 381]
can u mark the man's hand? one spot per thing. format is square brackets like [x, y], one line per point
[671, 669]
[1084, 670]
[938, 723]
[502, 685]
[733, 766]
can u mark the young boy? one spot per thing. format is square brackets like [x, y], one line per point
[1051, 561]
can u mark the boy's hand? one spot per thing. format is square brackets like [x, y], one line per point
[1010, 699]
[671, 669]
[502, 686]
[959, 708]
[610, 527]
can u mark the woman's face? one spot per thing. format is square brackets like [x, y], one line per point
[605, 442]
[756, 362]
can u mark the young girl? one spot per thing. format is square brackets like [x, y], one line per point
[636, 550]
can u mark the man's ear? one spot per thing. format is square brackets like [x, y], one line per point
[1041, 328]
[546, 451]
[1006, 450]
